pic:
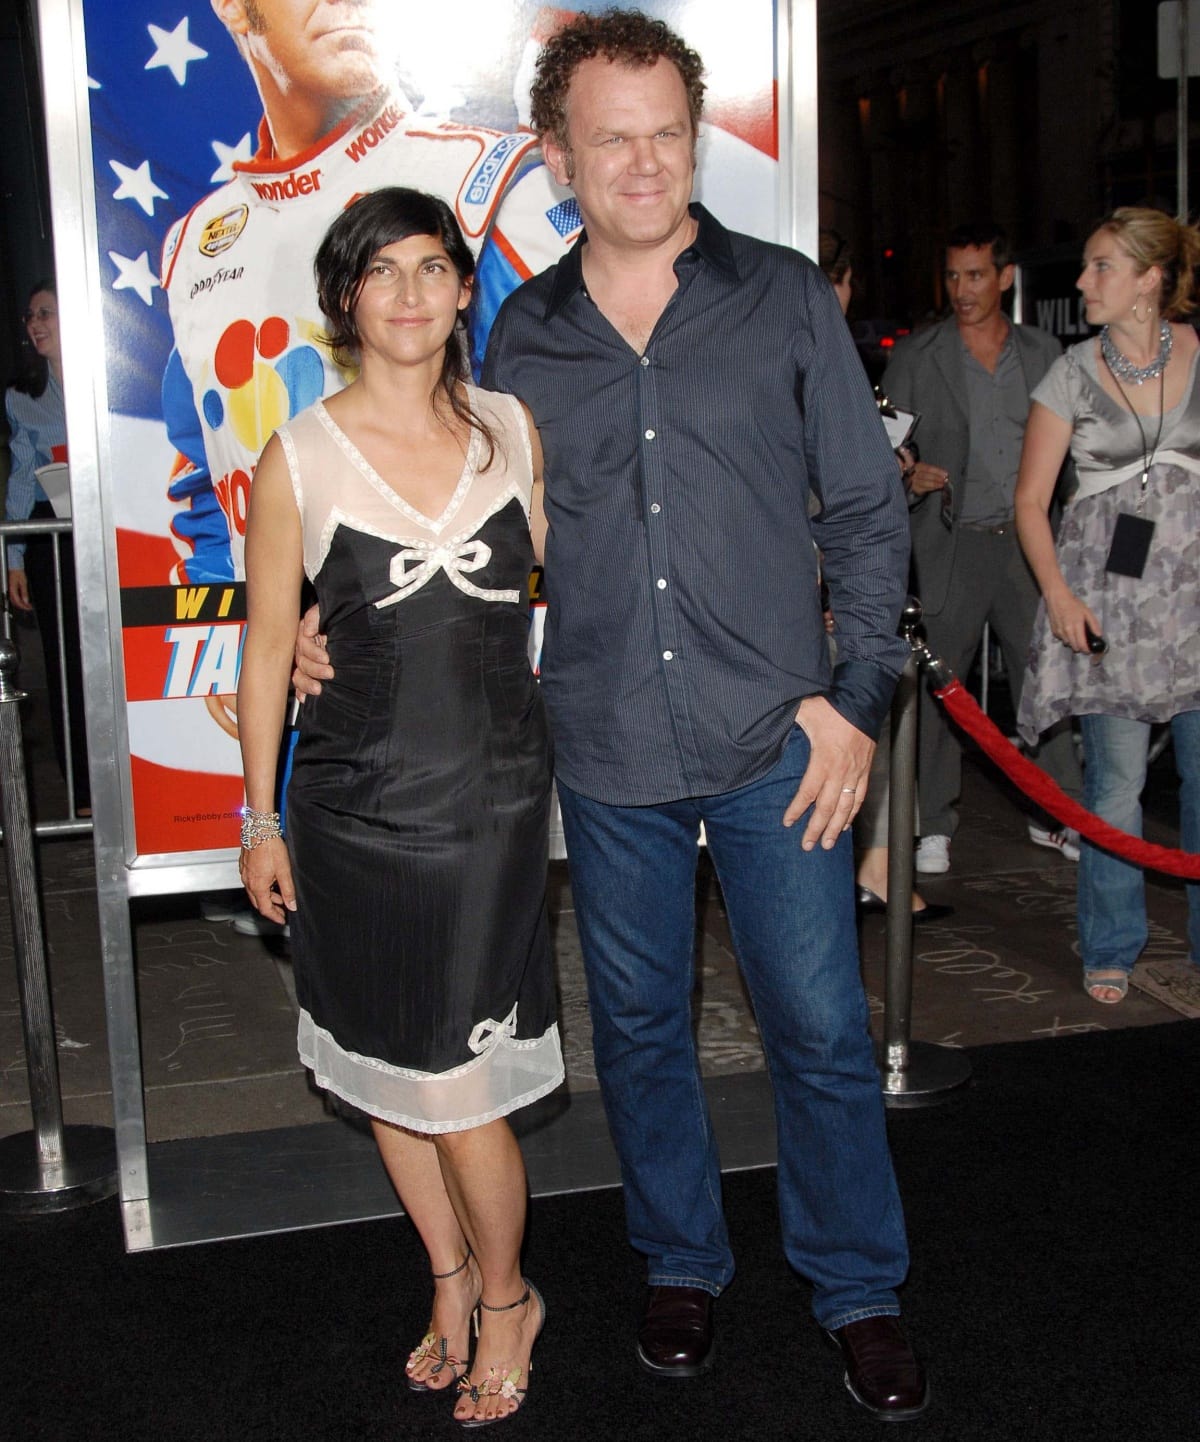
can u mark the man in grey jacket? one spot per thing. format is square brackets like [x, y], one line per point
[970, 378]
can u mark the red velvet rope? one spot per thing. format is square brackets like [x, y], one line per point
[961, 707]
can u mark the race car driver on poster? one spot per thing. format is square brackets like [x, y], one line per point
[226, 137]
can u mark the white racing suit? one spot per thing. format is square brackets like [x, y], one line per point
[238, 273]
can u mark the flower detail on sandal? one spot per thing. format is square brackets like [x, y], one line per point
[433, 1344]
[498, 1383]
[429, 1344]
[495, 1385]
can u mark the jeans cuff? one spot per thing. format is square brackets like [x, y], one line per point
[860, 1314]
[705, 1284]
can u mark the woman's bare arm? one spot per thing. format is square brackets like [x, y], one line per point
[274, 571]
[1047, 439]
[537, 511]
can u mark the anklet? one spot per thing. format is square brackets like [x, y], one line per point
[508, 1307]
[454, 1271]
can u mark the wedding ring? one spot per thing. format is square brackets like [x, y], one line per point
[850, 789]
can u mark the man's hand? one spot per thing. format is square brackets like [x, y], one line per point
[835, 780]
[924, 478]
[18, 590]
[311, 658]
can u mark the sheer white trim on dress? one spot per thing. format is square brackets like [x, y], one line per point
[505, 1074]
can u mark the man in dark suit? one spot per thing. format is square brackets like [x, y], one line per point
[970, 378]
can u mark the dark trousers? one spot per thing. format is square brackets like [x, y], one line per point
[43, 592]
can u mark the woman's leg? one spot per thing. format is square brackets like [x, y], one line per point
[484, 1175]
[1112, 893]
[415, 1171]
[871, 824]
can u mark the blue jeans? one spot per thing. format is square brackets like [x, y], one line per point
[1112, 893]
[633, 873]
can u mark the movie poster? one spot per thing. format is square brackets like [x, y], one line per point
[213, 187]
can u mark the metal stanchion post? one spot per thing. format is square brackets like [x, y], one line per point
[36, 1172]
[914, 1073]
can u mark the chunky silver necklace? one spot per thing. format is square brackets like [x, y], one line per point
[1124, 369]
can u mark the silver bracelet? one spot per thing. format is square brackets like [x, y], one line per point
[259, 826]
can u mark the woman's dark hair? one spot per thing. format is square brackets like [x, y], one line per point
[352, 242]
[34, 374]
[833, 254]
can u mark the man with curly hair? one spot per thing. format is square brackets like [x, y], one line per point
[693, 389]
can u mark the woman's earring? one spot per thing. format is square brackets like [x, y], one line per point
[1141, 319]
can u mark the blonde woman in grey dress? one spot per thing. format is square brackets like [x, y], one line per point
[1117, 640]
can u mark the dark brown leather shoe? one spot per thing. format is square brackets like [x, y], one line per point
[882, 1371]
[676, 1335]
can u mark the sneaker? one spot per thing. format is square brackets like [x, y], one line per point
[216, 908]
[933, 855]
[237, 910]
[253, 923]
[1063, 840]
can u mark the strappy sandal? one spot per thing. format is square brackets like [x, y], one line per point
[496, 1383]
[1110, 978]
[431, 1344]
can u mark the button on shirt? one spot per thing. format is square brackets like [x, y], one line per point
[683, 624]
[998, 407]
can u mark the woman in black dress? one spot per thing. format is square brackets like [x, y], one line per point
[413, 875]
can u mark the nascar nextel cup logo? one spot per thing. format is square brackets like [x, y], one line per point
[291, 186]
[222, 230]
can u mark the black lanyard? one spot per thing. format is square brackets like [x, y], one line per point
[1147, 457]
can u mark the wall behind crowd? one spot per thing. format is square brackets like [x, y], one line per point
[1042, 115]
[26, 251]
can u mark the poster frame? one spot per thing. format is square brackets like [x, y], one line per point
[122, 876]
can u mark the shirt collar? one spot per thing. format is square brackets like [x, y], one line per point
[1006, 344]
[712, 244]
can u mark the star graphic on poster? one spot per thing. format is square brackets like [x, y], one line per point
[175, 50]
[228, 155]
[136, 185]
[134, 275]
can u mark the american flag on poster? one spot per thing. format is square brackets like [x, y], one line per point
[207, 222]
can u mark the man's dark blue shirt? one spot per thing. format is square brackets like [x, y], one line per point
[684, 621]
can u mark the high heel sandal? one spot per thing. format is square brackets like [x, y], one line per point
[433, 1345]
[871, 902]
[1109, 978]
[497, 1384]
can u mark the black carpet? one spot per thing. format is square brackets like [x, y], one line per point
[1052, 1210]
